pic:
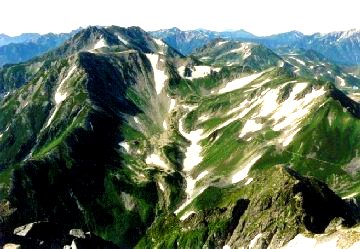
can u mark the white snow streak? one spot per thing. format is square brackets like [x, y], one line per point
[161, 186]
[341, 80]
[243, 173]
[172, 104]
[254, 241]
[239, 83]
[156, 160]
[192, 154]
[186, 215]
[249, 181]
[221, 43]
[350, 195]
[122, 40]
[125, 145]
[159, 76]
[60, 96]
[298, 60]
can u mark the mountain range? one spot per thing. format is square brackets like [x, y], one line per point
[27, 46]
[339, 47]
[119, 139]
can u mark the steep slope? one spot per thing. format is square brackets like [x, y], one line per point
[67, 163]
[266, 212]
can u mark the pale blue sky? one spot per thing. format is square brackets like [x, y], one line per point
[261, 17]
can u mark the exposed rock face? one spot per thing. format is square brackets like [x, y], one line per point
[44, 235]
[270, 211]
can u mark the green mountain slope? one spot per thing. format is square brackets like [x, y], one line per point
[118, 134]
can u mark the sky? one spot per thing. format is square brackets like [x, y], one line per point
[260, 17]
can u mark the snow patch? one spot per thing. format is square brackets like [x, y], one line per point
[156, 160]
[189, 200]
[341, 81]
[298, 60]
[60, 96]
[254, 241]
[226, 247]
[136, 119]
[356, 245]
[288, 137]
[172, 104]
[192, 154]
[161, 187]
[269, 104]
[242, 174]
[125, 145]
[159, 76]
[350, 195]
[122, 40]
[186, 215]
[250, 126]
[221, 43]
[302, 242]
[245, 48]
[239, 83]
[159, 42]
[249, 181]
[197, 71]
[100, 44]
[203, 118]
[165, 125]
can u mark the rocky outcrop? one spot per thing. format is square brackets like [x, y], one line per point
[270, 211]
[48, 235]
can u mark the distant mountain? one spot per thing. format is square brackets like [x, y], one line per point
[339, 47]
[25, 37]
[187, 41]
[30, 46]
[229, 53]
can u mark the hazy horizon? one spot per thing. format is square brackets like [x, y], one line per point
[258, 17]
